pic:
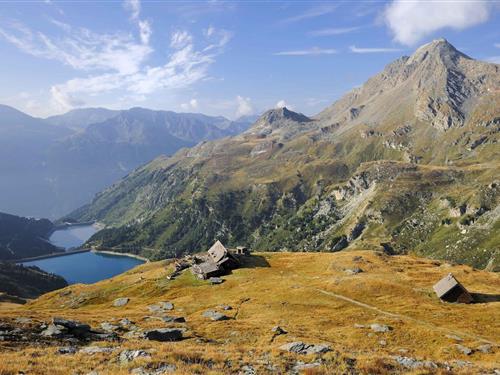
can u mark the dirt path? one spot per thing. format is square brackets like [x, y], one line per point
[405, 317]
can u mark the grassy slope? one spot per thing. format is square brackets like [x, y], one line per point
[283, 289]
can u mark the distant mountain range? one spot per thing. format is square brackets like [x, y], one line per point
[51, 166]
[408, 162]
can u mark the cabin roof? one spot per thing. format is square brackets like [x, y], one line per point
[217, 252]
[446, 284]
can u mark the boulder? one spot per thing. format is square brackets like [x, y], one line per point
[380, 327]
[301, 348]
[353, 271]
[119, 302]
[130, 355]
[486, 348]
[214, 315]
[67, 350]
[215, 280]
[53, 330]
[91, 350]
[162, 369]
[164, 334]
[277, 330]
[173, 319]
[412, 363]
[463, 349]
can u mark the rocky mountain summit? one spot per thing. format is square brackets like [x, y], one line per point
[371, 171]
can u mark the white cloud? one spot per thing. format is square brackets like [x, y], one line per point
[410, 21]
[81, 48]
[192, 105]
[244, 106]
[282, 103]
[334, 31]
[306, 52]
[314, 12]
[134, 7]
[145, 31]
[180, 39]
[355, 49]
[116, 62]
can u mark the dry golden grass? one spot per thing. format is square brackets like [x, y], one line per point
[308, 294]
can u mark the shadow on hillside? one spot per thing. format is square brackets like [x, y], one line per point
[485, 298]
[253, 261]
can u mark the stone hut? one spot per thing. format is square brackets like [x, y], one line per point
[218, 261]
[449, 289]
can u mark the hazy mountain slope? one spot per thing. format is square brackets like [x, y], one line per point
[48, 170]
[24, 238]
[79, 119]
[407, 150]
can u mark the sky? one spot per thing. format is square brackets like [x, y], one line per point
[230, 58]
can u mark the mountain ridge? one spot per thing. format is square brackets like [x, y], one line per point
[400, 149]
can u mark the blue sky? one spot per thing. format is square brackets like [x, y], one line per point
[219, 57]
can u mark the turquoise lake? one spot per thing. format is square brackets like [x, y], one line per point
[86, 267]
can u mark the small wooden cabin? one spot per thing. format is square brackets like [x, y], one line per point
[449, 289]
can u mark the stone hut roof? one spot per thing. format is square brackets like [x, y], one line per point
[217, 252]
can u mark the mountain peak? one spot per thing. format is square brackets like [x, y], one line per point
[276, 115]
[437, 49]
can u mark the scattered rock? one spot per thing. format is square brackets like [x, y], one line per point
[125, 322]
[301, 366]
[247, 370]
[161, 307]
[454, 337]
[53, 331]
[380, 327]
[67, 350]
[353, 271]
[277, 330]
[463, 349]
[91, 350]
[163, 369]
[215, 315]
[486, 348]
[225, 307]
[412, 363]
[215, 280]
[130, 355]
[166, 305]
[119, 302]
[173, 319]
[23, 320]
[356, 325]
[383, 342]
[108, 327]
[164, 334]
[301, 348]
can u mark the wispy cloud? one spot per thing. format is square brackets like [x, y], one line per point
[334, 31]
[314, 12]
[497, 45]
[355, 49]
[80, 48]
[306, 52]
[494, 59]
[117, 61]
